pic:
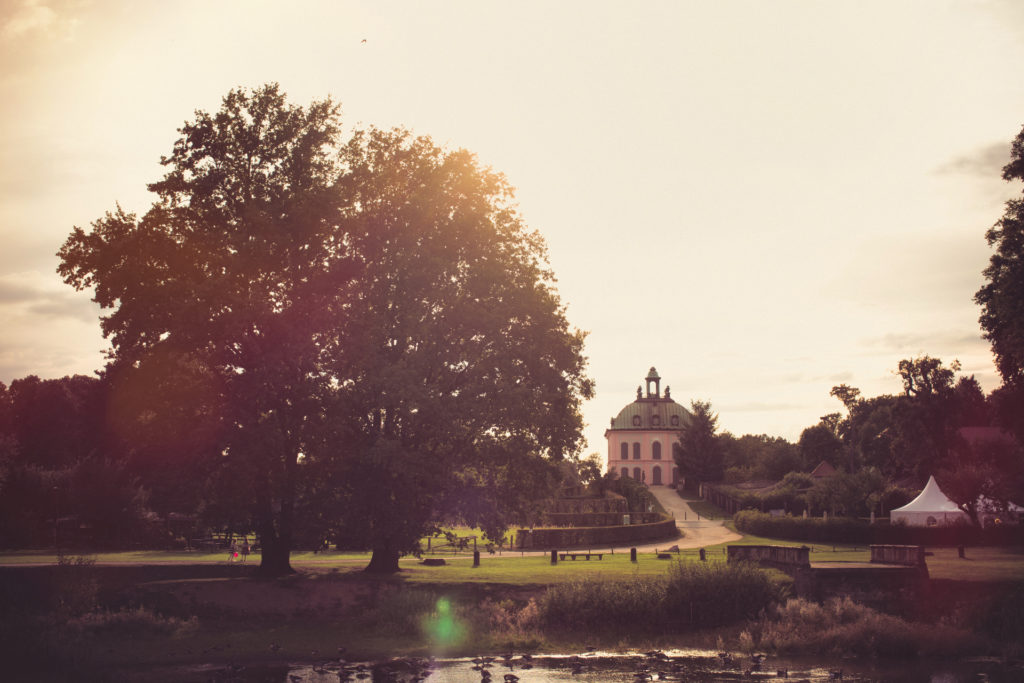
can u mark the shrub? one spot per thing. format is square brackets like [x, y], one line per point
[701, 594]
[75, 586]
[507, 619]
[845, 628]
[132, 622]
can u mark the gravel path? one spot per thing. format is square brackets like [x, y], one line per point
[697, 533]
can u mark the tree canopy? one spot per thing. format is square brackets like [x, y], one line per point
[368, 330]
[699, 456]
[1002, 297]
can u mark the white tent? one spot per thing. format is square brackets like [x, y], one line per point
[930, 508]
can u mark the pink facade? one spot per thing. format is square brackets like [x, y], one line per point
[643, 436]
[655, 463]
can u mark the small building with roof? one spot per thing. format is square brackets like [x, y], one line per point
[645, 433]
[823, 470]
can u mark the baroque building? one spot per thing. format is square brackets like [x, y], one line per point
[644, 435]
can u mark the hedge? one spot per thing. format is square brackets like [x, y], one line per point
[596, 536]
[847, 530]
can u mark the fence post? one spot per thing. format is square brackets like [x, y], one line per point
[476, 558]
[632, 554]
[703, 557]
[554, 557]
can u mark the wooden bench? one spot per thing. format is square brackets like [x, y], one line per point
[587, 555]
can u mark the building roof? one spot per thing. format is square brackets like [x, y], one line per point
[652, 412]
[823, 470]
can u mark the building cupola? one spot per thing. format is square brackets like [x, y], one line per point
[655, 380]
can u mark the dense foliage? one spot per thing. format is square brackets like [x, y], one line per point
[699, 454]
[1002, 310]
[637, 495]
[358, 335]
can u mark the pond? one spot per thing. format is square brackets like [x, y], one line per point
[592, 667]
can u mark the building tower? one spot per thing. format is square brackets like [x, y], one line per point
[644, 434]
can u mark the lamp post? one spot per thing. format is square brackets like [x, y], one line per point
[56, 519]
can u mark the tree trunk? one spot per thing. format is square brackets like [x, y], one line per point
[383, 561]
[275, 555]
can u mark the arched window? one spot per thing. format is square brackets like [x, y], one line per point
[656, 476]
[675, 420]
[625, 451]
[931, 521]
[656, 450]
[655, 420]
[636, 420]
[636, 450]
[625, 473]
[637, 474]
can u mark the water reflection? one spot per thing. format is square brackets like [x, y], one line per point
[672, 665]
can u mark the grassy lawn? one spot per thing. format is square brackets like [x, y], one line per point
[979, 564]
[508, 567]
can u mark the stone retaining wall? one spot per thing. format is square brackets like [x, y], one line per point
[784, 557]
[909, 555]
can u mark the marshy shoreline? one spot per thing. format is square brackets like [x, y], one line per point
[90, 622]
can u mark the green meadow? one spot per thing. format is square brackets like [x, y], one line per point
[980, 563]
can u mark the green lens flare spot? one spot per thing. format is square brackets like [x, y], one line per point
[442, 626]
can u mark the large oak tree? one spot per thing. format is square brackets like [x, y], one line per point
[379, 332]
[460, 375]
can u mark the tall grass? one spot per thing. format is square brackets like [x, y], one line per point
[845, 628]
[701, 594]
[692, 595]
[598, 605]
[75, 586]
[401, 612]
[131, 622]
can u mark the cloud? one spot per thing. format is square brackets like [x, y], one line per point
[30, 17]
[758, 407]
[986, 162]
[31, 293]
[920, 342]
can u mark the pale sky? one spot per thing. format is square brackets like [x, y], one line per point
[761, 199]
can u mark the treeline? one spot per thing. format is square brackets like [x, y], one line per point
[856, 494]
[73, 473]
[883, 448]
